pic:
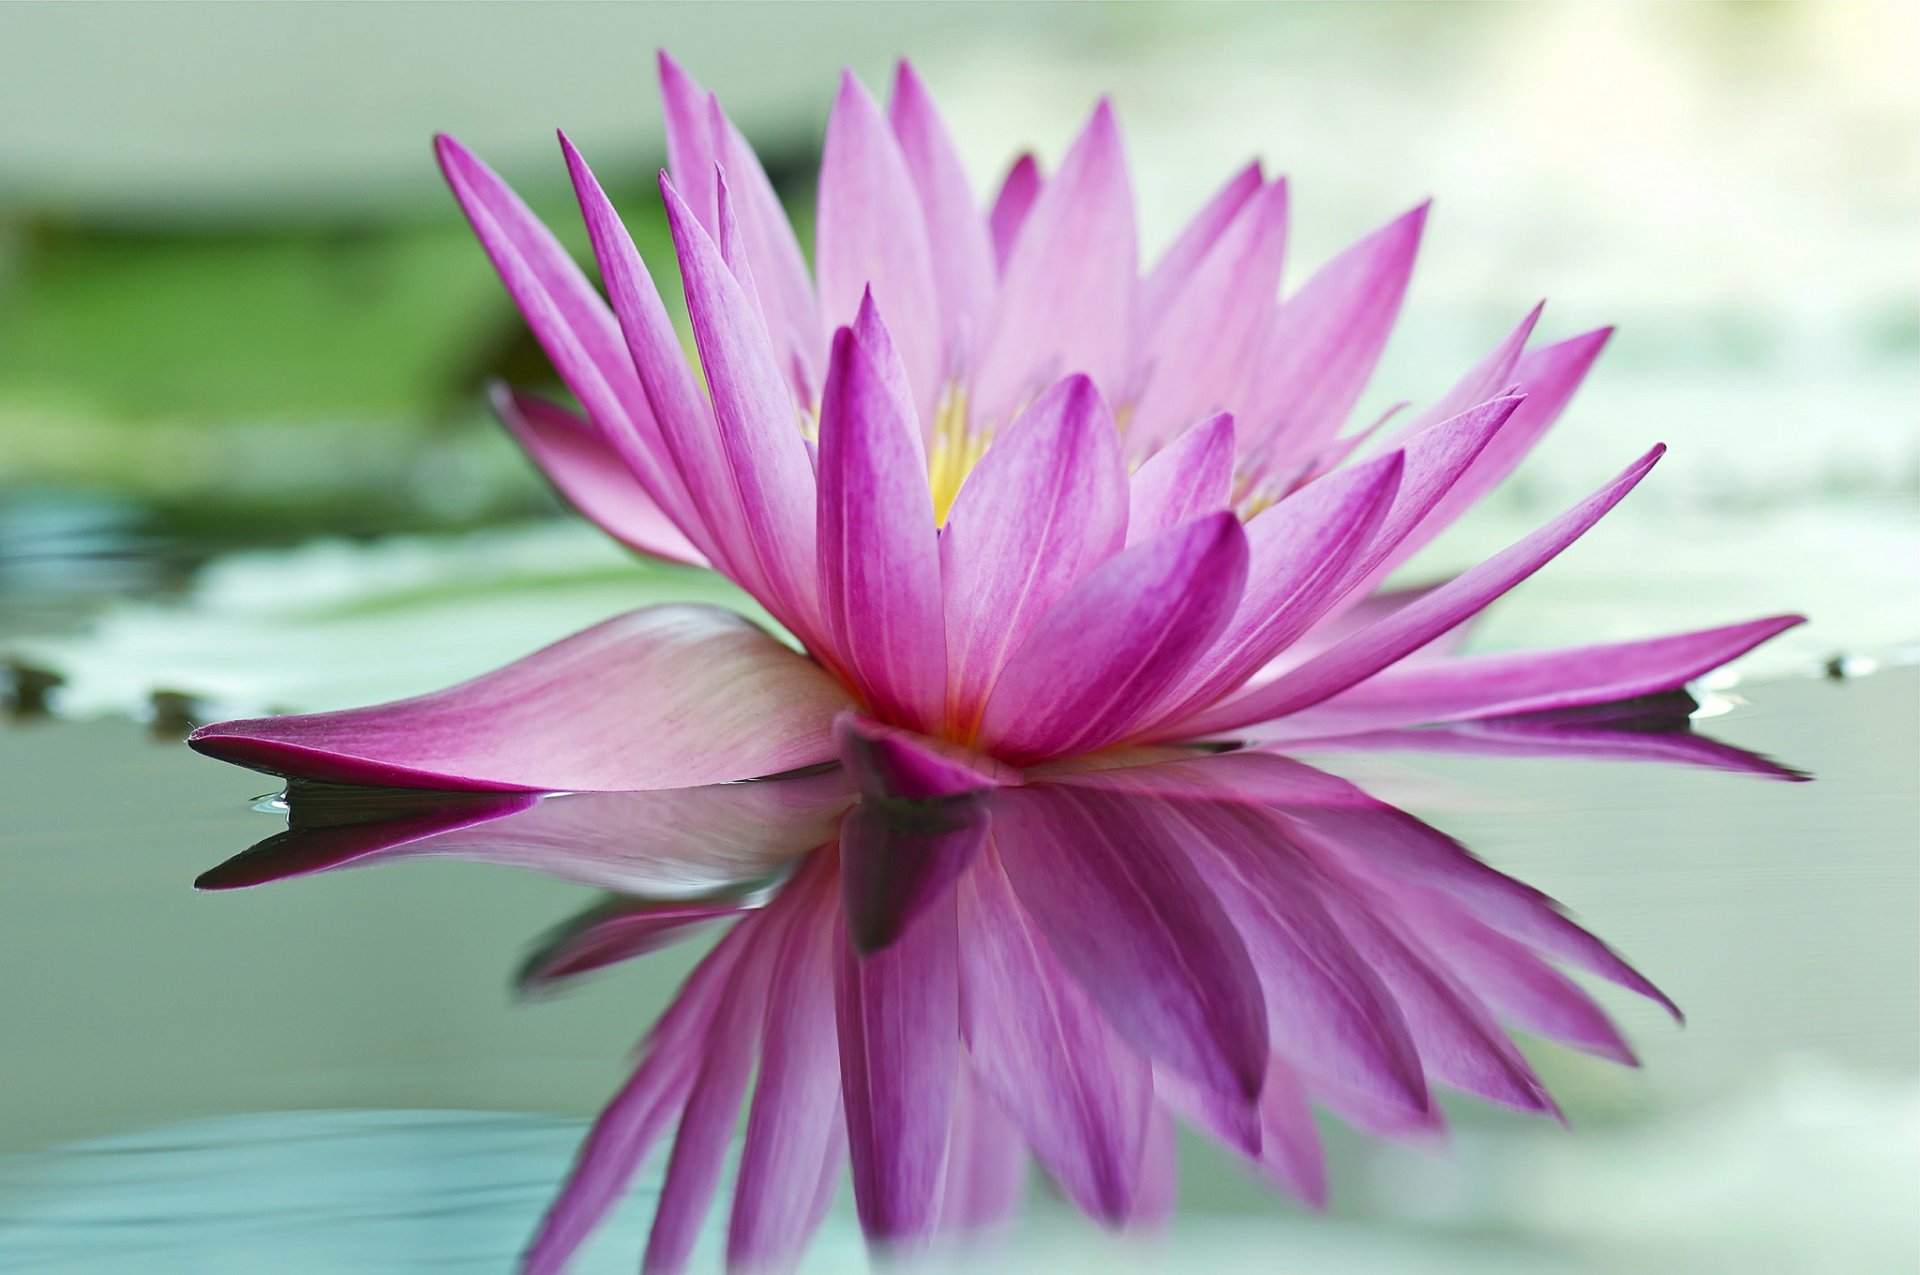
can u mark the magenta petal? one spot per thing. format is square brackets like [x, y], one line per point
[1290, 1148]
[898, 861]
[964, 272]
[899, 1018]
[1188, 478]
[1177, 265]
[1505, 683]
[870, 234]
[1324, 342]
[1301, 555]
[768, 484]
[1066, 302]
[1046, 505]
[1127, 915]
[1490, 377]
[1154, 1202]
[1520, 986]
[571, 322]
[643, 1109]
[880, 589]
[890, 764]
[592, 476]
[664, 697]
[1208, 339]
[713, 1103]
[1411, 627]
[1010, 207]
[1042, 1047]
[795, 1120]
[1103, 656]
[1327, 1010]
[613, 932]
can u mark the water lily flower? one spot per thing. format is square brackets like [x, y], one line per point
[940, 973]
[1048, 505]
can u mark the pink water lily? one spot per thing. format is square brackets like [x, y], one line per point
[1047, 505]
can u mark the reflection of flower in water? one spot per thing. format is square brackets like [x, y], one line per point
[1047, 506]
[938, 971]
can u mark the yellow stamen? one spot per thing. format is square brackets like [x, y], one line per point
[955, 450]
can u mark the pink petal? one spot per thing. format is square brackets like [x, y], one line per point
[1327, 1010]
[700, 140]
[890, 764]
[880, 589]
[1290, 1149]
[1045, 506]
[1125, 913]
[613, 933]
[713, 1104]
[664, 697]
[898, 1012]
[986, 1177]
[1373, 649]
[1300, 555]
[1208, 338]
[688, 442]
[1490, 377]
[629, 1126]
[1324, 342]
[1154, 1203]
[1066, 302]
[1044, 1050]
[964, 271]
[770, 482]
[1109, 649]
[896, 864]
[1010, 207]
[870, 233]
[1548, 377]
[1177, 266]
[795, 1120]
[1504, 683]
[1460, 1044]
[592, 476]
[570, 321]
[661, 843]
[1188, 478]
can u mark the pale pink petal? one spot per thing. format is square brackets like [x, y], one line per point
[1045, 1051]
[700, 140]
[898, 1012]
[1188, 478]
[795, 1119]
[1175, 269]
[663, 697]
[964, 272]
[592, 476]
[1045, 506]
[1126, 914]
[1490, 377]
[769, 481]
[1010, 207]
[986, 1177]
[1411, 627]
[1105, 654]
[1154, 1202]
[1207, 341]
[1323, 345]
[1066, 302]
[880, 588]
[870, 233]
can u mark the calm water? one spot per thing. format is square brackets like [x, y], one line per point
[335, 1073]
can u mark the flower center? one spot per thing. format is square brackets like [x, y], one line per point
[954, 450]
